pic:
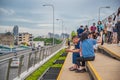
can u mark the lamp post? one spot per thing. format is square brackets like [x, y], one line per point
[53, 18]
[62, 26]
[100, 9]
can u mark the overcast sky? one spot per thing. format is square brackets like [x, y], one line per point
[34, 18]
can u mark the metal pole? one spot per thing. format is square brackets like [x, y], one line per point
[99, 15]
[99, 11]
[62, 26]
[53, 24]
[53, 19]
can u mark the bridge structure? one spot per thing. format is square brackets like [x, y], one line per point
[106, 65]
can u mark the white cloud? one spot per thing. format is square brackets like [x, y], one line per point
[7, 11]
[45, 25]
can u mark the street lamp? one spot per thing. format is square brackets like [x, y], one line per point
[62, 25]
[100, 9]
[53, 18]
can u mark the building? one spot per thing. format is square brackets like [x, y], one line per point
[15, 30]
[6, 39]
[24, 38]
[15, 33]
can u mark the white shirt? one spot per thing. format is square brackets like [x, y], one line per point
[109, 26]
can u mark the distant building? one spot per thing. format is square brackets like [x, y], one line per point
[50, 35]
[15, 33]
[6, 38]
[64, 35]
[15, 30]
[24, 38]
[57, 36]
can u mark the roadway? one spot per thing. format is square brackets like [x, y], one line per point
[4, 60]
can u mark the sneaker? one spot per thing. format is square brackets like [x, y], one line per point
[72, 69]
[80, 71]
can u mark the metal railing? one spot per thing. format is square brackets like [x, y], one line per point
[12, 67]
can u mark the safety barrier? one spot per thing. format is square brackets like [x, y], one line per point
[14, 66]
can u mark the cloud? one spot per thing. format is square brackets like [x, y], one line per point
[6, 11]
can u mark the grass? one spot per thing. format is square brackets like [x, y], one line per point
[61, 58]
[36, 74]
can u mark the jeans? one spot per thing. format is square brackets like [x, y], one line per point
[75, 55]
[109, 36]
[82, 59]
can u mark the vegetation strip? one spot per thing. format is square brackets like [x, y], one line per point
[36, 74]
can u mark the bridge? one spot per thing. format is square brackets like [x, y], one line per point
[106, 65]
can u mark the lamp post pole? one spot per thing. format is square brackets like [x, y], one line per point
[100, 9]
[62, 26]
[53, 20]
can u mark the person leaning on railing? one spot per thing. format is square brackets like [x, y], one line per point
[117, 25]
[86, 50]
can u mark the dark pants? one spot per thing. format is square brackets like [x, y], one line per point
[109, 36]
[82, 59]
[118, 30]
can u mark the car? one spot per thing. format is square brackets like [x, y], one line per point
[16, 62]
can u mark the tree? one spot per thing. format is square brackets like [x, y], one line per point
[73, 34]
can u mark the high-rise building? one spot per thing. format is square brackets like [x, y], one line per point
[15, 30]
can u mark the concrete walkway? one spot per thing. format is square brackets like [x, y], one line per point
[112, 49]
[107, 67]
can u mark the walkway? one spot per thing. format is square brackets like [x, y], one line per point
[107, 67]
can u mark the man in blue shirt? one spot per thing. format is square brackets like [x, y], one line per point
[80, 31]
[75, 55]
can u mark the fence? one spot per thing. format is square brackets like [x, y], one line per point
[14, 66]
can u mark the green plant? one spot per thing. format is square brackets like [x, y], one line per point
[36, 74]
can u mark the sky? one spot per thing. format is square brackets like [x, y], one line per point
[31, 16]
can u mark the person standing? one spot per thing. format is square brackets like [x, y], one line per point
[93, 28]
[100, 27]
[117, 25]
[80, 31]
[109, 25]
[114, 34]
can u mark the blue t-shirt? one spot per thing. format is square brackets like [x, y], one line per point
[77, 46]
[79, 31]
[87, 48]
[100, 27]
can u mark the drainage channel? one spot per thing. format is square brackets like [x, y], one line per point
[52, 72]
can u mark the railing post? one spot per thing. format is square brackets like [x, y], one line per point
[8, 70]
[40, 51]
[35, 57]
[20, 65]
[29, 61]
